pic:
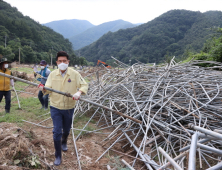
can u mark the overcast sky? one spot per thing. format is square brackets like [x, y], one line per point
[100, 11]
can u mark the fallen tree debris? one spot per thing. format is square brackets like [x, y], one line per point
[178, 106]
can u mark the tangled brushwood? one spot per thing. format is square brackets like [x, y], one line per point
[170, 116]
[179, 106]
[17, 147]
[22, 75]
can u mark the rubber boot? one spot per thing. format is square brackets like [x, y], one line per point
[58, 153]
[64, 142]
[7, 111]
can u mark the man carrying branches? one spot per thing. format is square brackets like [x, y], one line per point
[66, 80]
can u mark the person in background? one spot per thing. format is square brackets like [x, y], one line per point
[44, 73]
[67, 80]
[5, 84]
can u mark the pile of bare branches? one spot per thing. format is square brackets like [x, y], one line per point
[178, 105]
[17, 146]
[167, 99]
[22, 75]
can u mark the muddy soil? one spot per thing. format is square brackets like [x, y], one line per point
[16, 143]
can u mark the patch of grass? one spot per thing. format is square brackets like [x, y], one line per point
[30, 110]
[88, 128]
[87, 80]
[27, 70]
[23, 69]
[83, 118]
[20, 85]
[79, 123]
[115, 163]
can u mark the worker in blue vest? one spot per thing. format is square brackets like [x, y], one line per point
[44, 73]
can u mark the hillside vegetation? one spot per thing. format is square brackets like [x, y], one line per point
[211, 51]
[174, 33]
[94, 33]
[36, 42]
[69, 28]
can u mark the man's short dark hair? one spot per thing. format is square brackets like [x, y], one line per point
[62, 53]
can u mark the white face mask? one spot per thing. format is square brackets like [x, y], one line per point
[63, 66]
[6, 65]
[42, 67]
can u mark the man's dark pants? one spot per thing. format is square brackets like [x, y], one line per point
[7, 95]
[44, 99]
[62, 121]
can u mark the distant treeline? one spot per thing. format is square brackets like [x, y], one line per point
[175, 33]
[211, 51]
[35, 42]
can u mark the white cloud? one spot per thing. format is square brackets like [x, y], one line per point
[100, 11]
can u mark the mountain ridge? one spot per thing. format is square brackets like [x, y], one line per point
[92, 34]
[22, 36]
[172, 33]
[69, 28]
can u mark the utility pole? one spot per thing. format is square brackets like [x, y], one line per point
[51, 56]
[5, 40]
[19, 55]
[51, 59]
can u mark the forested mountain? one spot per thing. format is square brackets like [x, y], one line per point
[211, 51]
[173, 33]
[69, 28]
[92, 34]
[36, 42]
[200, 31]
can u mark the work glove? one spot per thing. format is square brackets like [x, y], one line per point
[40, 86]
[76, 96]
[12, 82]
[38, 75]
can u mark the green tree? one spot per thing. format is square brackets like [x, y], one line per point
[212, 49]
[7, 53]
[82, 61]
[28, 55]
[33, 39]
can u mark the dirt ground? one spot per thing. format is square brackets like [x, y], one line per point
[29, 141]
[15, 143]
